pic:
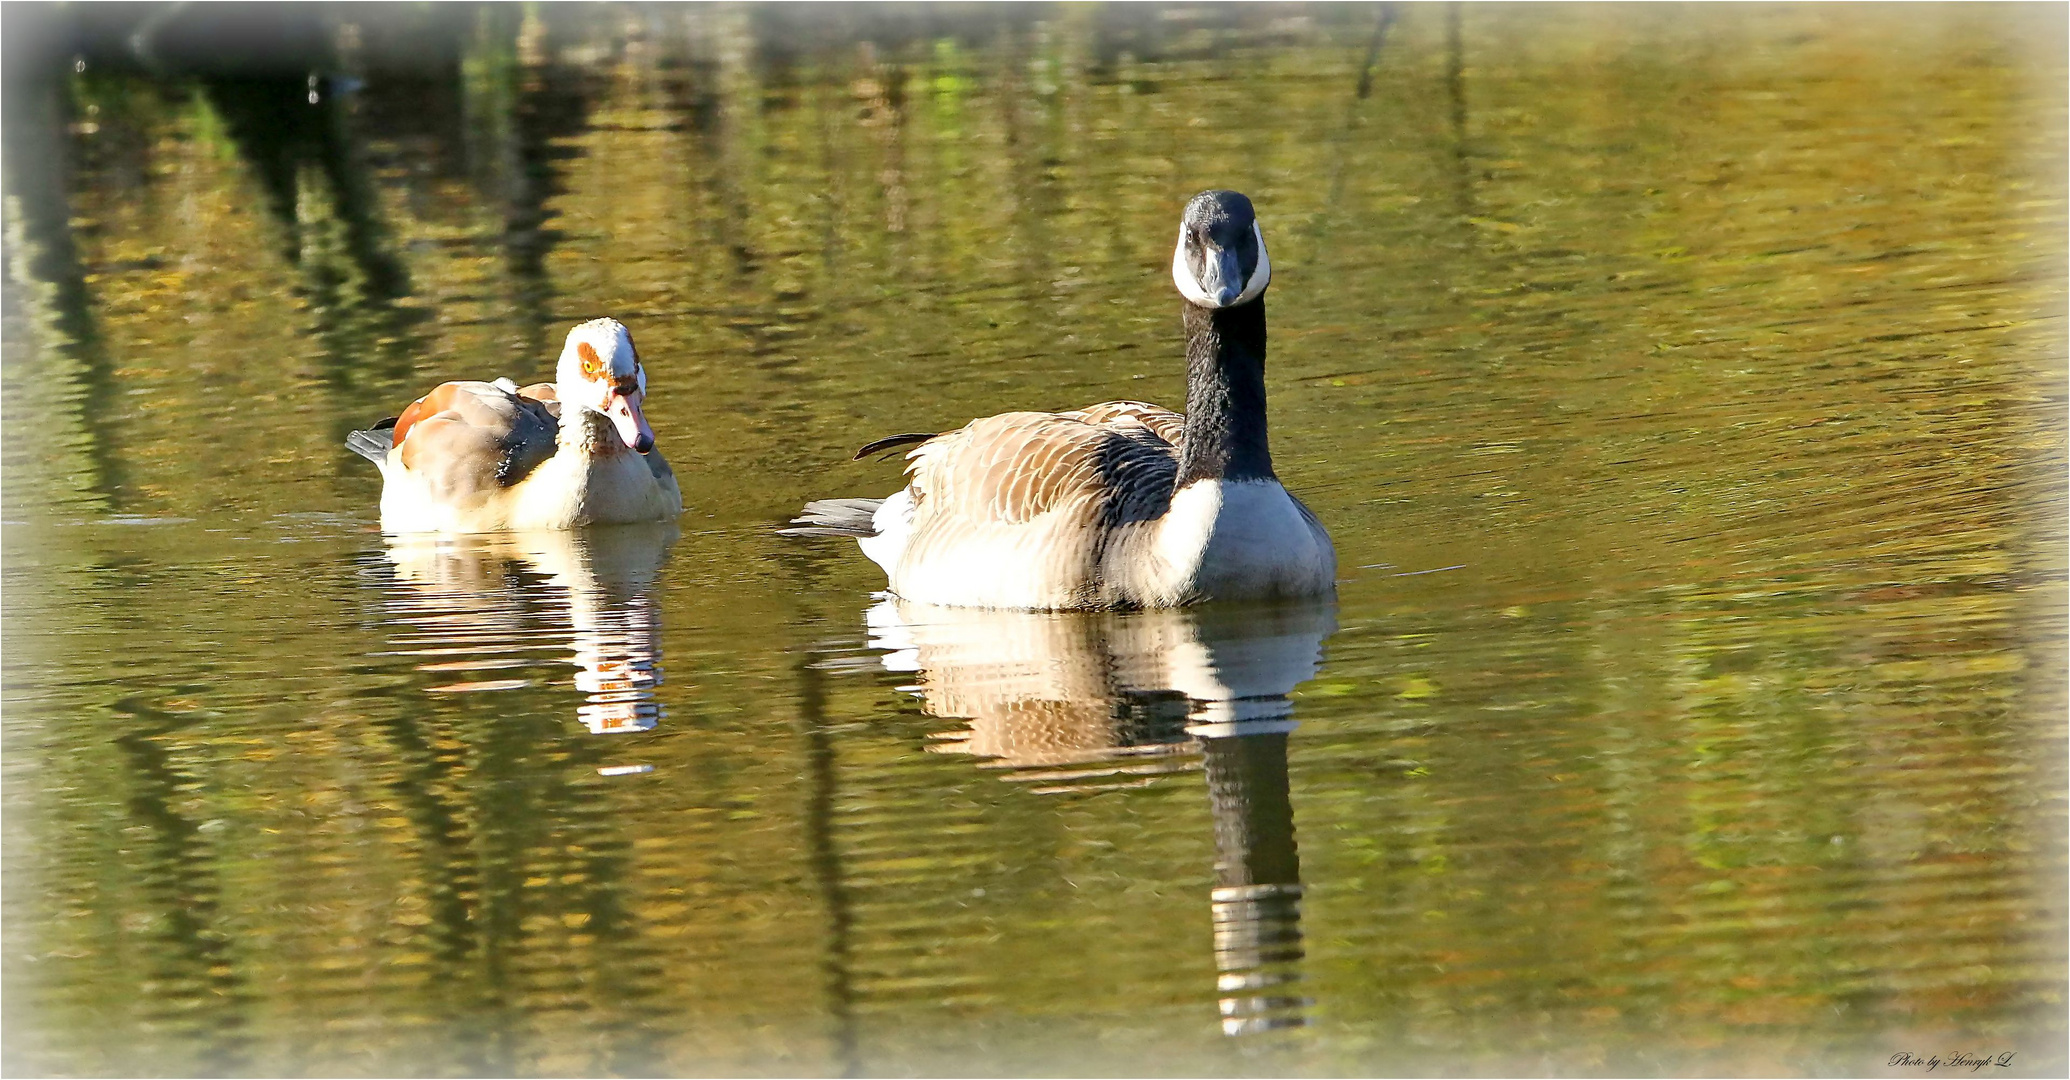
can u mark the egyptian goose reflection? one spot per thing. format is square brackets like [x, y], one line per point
[1080, 701]
[497, 601]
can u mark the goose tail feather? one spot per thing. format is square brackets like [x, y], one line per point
[893, 442]
[373, 443]
[836, 517]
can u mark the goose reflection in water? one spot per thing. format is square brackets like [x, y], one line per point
[1085, 701]
[491, 601]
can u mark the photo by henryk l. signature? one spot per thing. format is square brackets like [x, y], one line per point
[1971, 1062]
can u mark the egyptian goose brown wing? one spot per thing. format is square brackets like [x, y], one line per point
[466, 440]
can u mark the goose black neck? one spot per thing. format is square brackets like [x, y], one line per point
[1225, 395]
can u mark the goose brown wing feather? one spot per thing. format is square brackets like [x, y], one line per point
[1015, 467]
[1163, 422]
[466, 439]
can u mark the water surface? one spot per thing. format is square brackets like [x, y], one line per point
[1683, 388]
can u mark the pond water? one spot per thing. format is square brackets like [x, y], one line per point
[1683, 387]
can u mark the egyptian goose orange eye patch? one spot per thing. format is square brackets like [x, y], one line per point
[592, 364]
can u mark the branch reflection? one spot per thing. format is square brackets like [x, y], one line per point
[481, 603]
[1086, 701]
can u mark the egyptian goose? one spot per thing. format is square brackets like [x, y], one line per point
[473, 457]
[1121, 504]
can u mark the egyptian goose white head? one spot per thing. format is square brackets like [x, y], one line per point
[600, 370]
[473, 457]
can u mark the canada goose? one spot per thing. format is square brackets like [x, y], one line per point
[473, 457]
[1120, 504]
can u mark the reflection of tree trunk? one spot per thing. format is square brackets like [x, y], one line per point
[826, 862]
[317, 186]
[822, 769]
[1030, 193]
[445, 858]
[534, 822]
[196, 968]
[1381, 22]
[324, 201]
[1257, 896]
[889, 108]
[1382, 19]
[550, 103]
[44, 263]
[723, 119]
[279, 131]
[1455, 92]
[517, 104]
[37, 179]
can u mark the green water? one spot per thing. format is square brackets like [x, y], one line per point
[1683, 388]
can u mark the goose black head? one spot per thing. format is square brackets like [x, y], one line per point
[1220, 261]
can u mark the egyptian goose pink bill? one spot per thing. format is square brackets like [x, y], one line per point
[476, 457]
[1120, 504]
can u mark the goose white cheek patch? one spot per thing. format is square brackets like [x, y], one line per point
[1182, 275]
[1260, 277]
[1191, 289]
